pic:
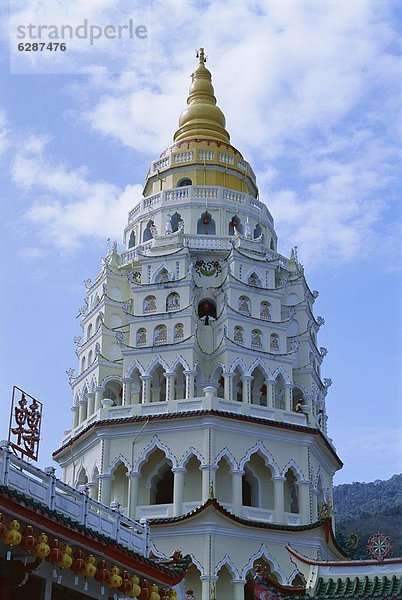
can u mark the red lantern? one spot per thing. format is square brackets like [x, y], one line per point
[2, 527]
[78, 562]
[126, 584]
[28, 541]
[56, 554]
[102, 572]
[144, 590]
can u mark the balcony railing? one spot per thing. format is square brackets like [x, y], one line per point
[44, 488]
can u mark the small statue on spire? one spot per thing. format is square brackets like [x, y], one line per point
[201, 56]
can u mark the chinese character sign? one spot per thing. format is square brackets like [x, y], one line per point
[25, 422]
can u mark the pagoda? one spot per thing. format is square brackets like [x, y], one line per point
[198, 403]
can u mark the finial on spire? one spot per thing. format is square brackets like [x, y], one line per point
[200, 54]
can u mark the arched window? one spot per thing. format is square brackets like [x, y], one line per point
[272, 245]
[141, 337]
[256, 338]
[254, 280]
[291, 493]
[160, 335]
[82, 364]
[178, 332]
[238, 334]
[258, 489]
[238, 386]
[297, 399]
[274, 342]
[173, 301]
[131, 241]
[235, 225]
[156, 480]
[158, 384]
[149, 304]
[183, 182]
[163, 276]
[244, 305]
[162, 486]
[206, 224]
[192, 490]
[257, 231]
[120, 486]
[175, 221]
[147, 235]
[258, 388]
[223, 479]
[114, 391]
[265, 311]
[89, 331]
[207, 309]
[279, 392]
[82, 477]
[90, 358]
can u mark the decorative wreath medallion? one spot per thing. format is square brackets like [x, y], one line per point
[325, 510]
[208, 268]
[379, 545]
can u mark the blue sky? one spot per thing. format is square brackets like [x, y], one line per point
[311, 93]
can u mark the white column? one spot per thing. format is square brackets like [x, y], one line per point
[206, 582]
[238, 593]
[133, 480]
[126, 391]
[98, 397]
[247, 379]
[190, 378]
[106, 488]
[237, 491]
[170, 377]
[91, 403]
[82, 410]
[228, 392]
[93, 489]
[288, 396]
[178, 489]
[146, 388]
[279, 498]
[304, 501]
[270, 394]
[74, 410]
[208, 481]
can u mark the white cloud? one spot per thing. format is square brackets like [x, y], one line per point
[69, 206]
[4, 133]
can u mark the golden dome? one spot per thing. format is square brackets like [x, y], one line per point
[202, 118]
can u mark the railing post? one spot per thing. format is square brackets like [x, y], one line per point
[6, 465]
[51, 478]
[115, 506]
[84, 491]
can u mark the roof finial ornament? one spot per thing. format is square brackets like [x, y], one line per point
[200, 54]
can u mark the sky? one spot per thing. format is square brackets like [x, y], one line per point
[311, 93]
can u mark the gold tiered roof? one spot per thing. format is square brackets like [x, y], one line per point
[202, 118]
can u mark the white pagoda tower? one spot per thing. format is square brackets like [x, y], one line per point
[198, 404]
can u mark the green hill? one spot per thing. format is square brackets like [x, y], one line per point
[365, 508]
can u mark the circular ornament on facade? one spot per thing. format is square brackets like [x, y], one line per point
[379, 545]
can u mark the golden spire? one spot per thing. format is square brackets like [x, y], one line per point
[202, 118]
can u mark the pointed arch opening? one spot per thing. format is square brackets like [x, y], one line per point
[254, 280]
[193, 581]
[291, 495]
[258, 489]
[82, 478]
[223, 482]
[207, 309]
[258, 233]
[206, 224]
[173, 301]
[156, 480]
[224, 585]
[297, 399]
[235, 225]
[119, 491]
[179, 383]
[175, 221]
[132, 240]
[192, 491]
[147, 235]
[279, 392]
[258, 388]
[238, 385]
[114, 391]
[158, 384]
